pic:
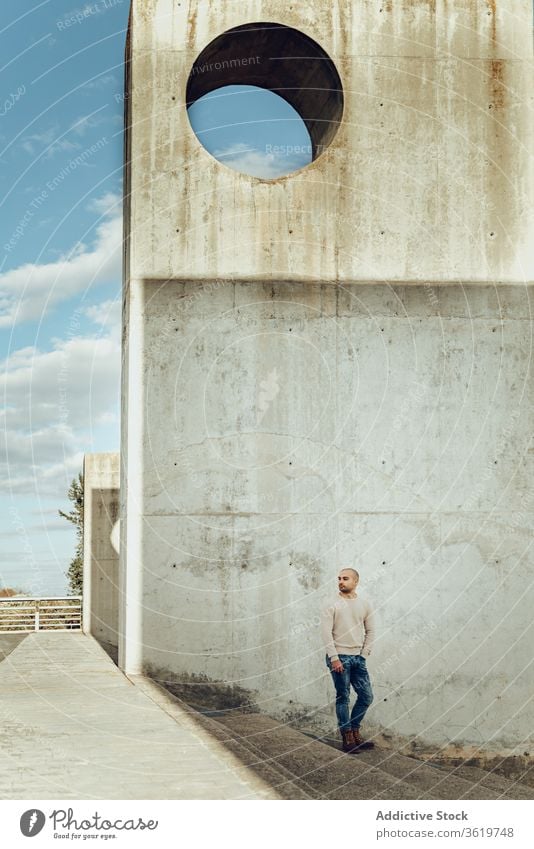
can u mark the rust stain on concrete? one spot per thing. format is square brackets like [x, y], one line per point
[192, 20]
[431, 4]
[497, 84]
[145, 10]
[492, 7]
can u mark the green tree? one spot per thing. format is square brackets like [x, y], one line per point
[75, 571]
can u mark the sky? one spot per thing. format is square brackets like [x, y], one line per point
[61, 149]
[251, 130]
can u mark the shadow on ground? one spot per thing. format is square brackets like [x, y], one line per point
[8, 642]
[298, 764]
[110, 650]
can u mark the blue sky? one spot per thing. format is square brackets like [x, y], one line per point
[251, 130]
[61, 125]
[60, 268]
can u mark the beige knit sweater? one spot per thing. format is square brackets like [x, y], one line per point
[348, 627]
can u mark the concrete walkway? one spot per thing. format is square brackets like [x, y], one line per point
[72, 726]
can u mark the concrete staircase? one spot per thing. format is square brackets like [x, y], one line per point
[299, 766]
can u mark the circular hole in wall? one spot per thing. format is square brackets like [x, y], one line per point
[252, 130]
[264, 99]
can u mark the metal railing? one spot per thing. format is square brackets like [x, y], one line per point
[22, 615]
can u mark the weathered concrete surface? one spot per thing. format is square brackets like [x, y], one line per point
[395, 435]
[334, 368]
[308, 767]
[100, 559]
[72, 726]
[428, 179]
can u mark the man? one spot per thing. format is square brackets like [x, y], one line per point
[348, 631]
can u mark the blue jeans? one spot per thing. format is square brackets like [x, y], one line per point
[355, 674]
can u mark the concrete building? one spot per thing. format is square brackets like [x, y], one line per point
[333, 368]
[100, 550]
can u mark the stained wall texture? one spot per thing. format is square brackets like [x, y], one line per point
[334, 368]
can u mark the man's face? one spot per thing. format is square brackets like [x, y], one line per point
[346, 581]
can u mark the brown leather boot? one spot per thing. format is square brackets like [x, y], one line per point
[359, 742]
[348, 740]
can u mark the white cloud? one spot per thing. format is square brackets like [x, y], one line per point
[62, 146]
[43, 222]
[99, 82]
[106, 315]
[71, 386]
[28, 292]
[87, 122]
[109, 204]
[257, 163]
[44, 138]
[53, 402]
[49, 139]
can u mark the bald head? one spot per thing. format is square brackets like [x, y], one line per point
[347, 581]
[353, 572]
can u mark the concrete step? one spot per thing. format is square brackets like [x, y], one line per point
[284, 782]
[517, 788]
[319, 768]
[444, 780]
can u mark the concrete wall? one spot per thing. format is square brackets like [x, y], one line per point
[100, 557]
[428, 178]
[334, 368]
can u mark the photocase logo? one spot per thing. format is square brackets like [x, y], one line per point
[32, 822]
